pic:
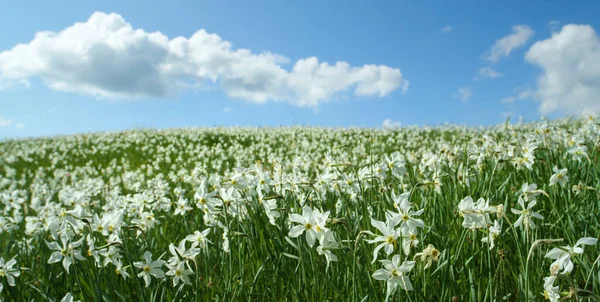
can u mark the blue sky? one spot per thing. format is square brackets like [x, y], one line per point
[438, 47]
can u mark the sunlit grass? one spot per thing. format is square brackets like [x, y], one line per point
[296, 214]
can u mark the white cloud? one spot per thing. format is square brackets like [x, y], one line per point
[504, 46]
[227, 109]
[522, 94]
[4, 122]
[446, 29]
[570, 63]
[509, 99]
[464, 94]
[106, 57]
[389, 124]
[488, 72]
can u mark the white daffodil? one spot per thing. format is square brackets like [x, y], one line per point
[327, 242]
[475, 215]
[311, 222]
[429, 255]
[410, 239]
[389, 235]
[551, 292]
[180, 252]
[207, 201]
[406, 215]
[181, 206]
[529, 191]
[69, 298]
[493, 233]
[527, 214]
[559, 176]
[562, 255]
[394, 273]
[68, 252]
[8, 271]
[180, 272]
[198, 239]
[150, 268]
[120, 270]
[269, 206]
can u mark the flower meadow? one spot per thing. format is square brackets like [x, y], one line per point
[448, 213]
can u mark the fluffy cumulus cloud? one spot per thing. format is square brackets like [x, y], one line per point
[106, 57]
[389, 124]
[504, 46]
[570, 63]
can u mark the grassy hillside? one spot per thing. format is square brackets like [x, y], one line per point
[303, 214]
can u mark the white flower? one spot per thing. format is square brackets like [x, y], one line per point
[429, 255]
[120, 270]
[551, 292]
[8, 271]
[150, 268]
[560, 176]
[529, 191]
[180, 252]
[526, 214]
[179, 272]
[269, 206]
[389, 235]
[313, 222]
[198, 239]
[207, 201]
[475, 215]
[406, 215]
[326, 243]
[69, 298]
[409, 239]
[563, 255]
[395, 274]
[493, 233]
[67, 252]
[395, 164]
[181, 206]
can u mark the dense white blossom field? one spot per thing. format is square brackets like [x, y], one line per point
[449, 213]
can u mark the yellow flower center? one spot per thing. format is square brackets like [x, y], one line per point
[147, 269]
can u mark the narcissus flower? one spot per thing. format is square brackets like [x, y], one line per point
[394, 273]
[429, 255]
[563, 255]
[559, 176]
[527, 214]
[150, 268]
